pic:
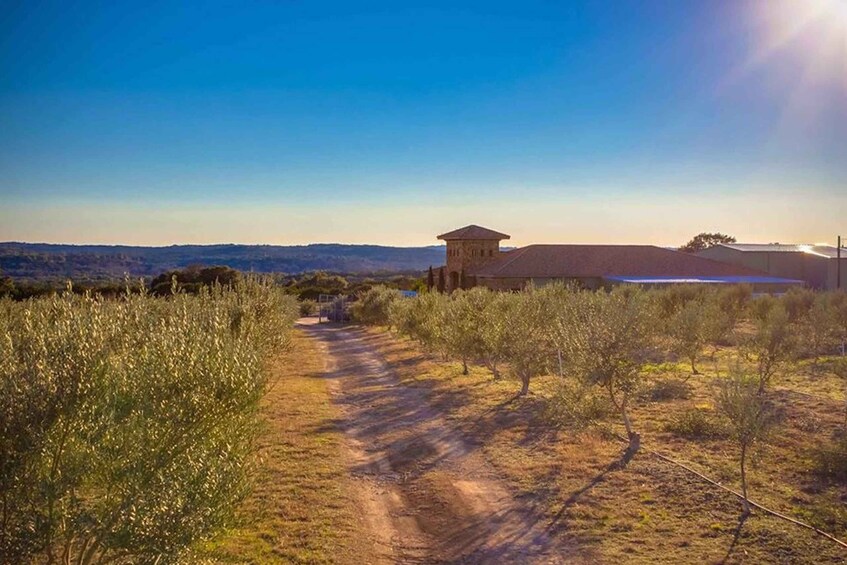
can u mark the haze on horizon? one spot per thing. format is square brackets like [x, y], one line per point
[291, 123]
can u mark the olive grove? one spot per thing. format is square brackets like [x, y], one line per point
[127, 426]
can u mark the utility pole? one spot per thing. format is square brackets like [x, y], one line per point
[838, 283]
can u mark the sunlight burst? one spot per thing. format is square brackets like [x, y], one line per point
[814, 31]
[803, 45]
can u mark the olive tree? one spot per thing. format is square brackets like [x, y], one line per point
[672, 299]
[838, 306]
[467, 325]
[557, 297]
[750, 418]
[819, 327]
[526, 336]
[722, 312]
[423, 319]
[759, 308]
[839, 367]
[773, 342]
[613, 335]
[127, 427]
[733, 300]
[372, 306]
[308, 307]
[493, 330]
[797, 303]
[463, 319]
[687, 330]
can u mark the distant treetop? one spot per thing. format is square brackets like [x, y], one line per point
[706, 240]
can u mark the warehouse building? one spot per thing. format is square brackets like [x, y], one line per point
[474, 258]
[816, 265]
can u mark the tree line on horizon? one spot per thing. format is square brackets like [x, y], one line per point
[35, 263]
[305, 286]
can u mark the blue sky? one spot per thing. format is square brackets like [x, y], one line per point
[292, 122]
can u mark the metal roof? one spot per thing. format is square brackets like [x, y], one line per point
[473, 232]
[828, 251]
[703, 280]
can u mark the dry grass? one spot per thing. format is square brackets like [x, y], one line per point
[651, 510]
[301, 510]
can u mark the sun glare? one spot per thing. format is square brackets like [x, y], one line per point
[813, 29]
[805, 41]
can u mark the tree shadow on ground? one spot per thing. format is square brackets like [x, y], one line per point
[735, 537]
[575, 496]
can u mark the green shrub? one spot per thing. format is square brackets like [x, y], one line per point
[192, 279]
[308, 307]
[798, 302]
[696, 423]
[733, 300]
[374, 305]
[674, 298]
[830, 460]
[670, 389]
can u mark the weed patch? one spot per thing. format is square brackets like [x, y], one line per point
[697, 423]
[670, 389]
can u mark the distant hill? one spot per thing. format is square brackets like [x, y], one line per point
[42, 261]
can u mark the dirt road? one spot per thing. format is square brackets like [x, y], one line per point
[425, 495]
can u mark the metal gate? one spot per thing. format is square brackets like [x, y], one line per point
[333, 308]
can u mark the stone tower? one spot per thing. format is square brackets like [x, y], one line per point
[469, 248]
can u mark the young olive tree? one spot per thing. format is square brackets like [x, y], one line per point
[721, 314]
[463, 322]
[308, 307]
[373, 305]
[672, 299]
[760, 307]
[495, 334]
[400, 317]
[526, 336]
[687, 330]
[772, 344]
[492, 328]
[733, 300]
[838, 305]
[797, 303]
[750, 417]
[557, 297]
[613, 335]
[819, 328]
[839, 367]
[423, 319]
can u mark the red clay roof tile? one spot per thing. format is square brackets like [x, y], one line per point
[563, 261]
[473, 232]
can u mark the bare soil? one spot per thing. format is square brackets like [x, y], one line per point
[425, 493]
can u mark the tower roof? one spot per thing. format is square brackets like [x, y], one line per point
[473, 232]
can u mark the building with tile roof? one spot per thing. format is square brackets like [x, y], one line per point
[474, 258]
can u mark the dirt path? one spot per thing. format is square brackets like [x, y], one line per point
[424, 494]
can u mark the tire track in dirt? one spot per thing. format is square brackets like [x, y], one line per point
[425, 495]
